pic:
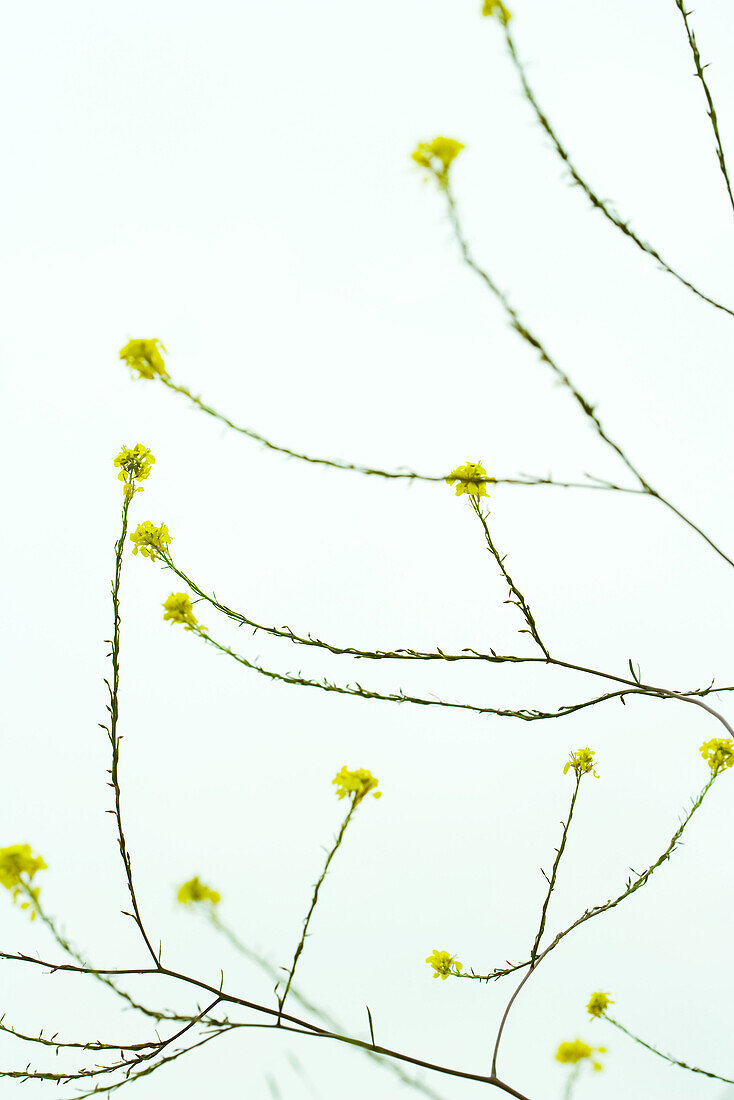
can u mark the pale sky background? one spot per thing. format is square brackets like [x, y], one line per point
[234, 179]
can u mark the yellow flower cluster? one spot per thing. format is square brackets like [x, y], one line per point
[492, 7]
[442, 963]
[135, 463]
[719, 753]
[150, 540]
[178, 609]
[195, 891]
[357, 783]
[469, 479]
[17, 868]
[145, 357]
[436, 156]
[598, 1003]
[577, 1051]
[582, 761]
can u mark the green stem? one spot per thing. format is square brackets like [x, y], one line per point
[113, 709]
[665, 1057]
[598, 203]
[554, 874]
[519, 599]
[711, 109]
[314, 902]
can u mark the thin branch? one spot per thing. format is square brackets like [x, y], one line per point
[319, 1013]
[586, 407]
[314, 900]
[666, 1057]
[519, 600]
[554, 873]
[112, 733]
[598, 203]
[300, 1027]
[707, 92]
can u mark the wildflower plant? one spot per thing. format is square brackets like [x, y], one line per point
[173, 1034]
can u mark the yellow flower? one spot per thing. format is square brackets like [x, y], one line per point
[359, 783]
[193, 890]
[719, 753]
[598, 1003]
[496, 6]
[17, 868]
[582, 761]
[577, 1051]
[150, 540]
[469, 479]
[442, 962]
[135, 464]
[145, 357]
[437, 155]
[178, 609]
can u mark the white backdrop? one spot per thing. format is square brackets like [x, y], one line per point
[234, 179]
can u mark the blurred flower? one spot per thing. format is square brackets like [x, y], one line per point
[437, 155]
[17, 868]
[577, 1051]
[145, 357]
[359, 783]
[195, 891]
[598, 1004]
[492, 7]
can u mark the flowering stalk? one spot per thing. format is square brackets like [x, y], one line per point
[355, 785]
[131, 470]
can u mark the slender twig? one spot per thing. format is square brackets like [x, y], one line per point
[300, 1027]
[360, 692]
[535, 959]
[71, 950]
[633, 885]
[314, 900]
[319, 1013]
[402, 474]
[525, 334]
[640, 880]
[519, 600]
[598, 203]
[666, 1057]
[531, 967]
[112, 733]
[60, 1044]
[403, 654]
[554, 873]
[707, 92]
